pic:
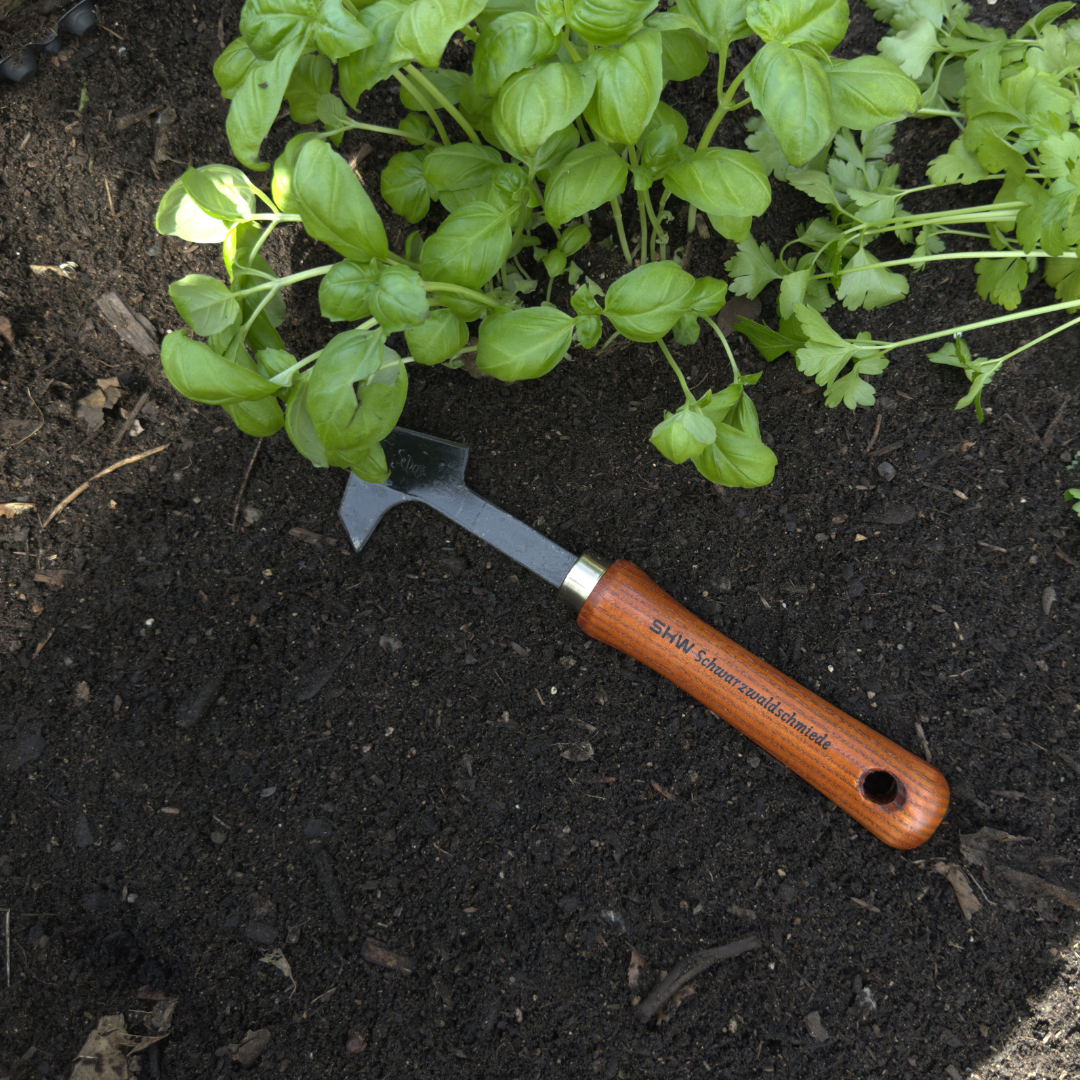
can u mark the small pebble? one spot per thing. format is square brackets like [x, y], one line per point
[260, 933]
[26, 749]
[1048, 597]
[821, 537]
[886, 472]
[816, 1027]
[83, 836]
[317, 829]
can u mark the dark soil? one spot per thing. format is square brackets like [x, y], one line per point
[220, 740]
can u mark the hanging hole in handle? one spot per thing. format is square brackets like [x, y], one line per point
[884, 789]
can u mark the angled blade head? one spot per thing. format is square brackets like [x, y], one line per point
[419, 465]
[432, 471]
[422, 463]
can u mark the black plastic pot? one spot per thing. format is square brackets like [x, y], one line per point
[20, 65]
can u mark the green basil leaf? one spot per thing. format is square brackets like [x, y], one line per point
[725, 183]
[301, 429]
[203, 375]
[791, 90]
[574, 239]
[607, 22]
[267, 25]
[587, 330]
[260, 419]
[869, 91]
[554, 263]
[426, 26]
[333, 205]
[665, 116]
[709, 296]
[553, 13]
[685, 55]
[331, 112]
[310, 80]
[660, 149]
[507, 45]
[587, 177]
[398, 299]
[371, 466]
[204, 303]
[523, 344]
[554, 150]
[343, 291]
[628, 84]
[820, 22]
[231, 67]
[403, 186]
[721, 21]
[584, 303]
[339, 30]
[533, 105]
[646, 303]
[273, 362]
[440, 337]
[469, 247]
[257, 100]
[361, 70]
[333, 397]
[687, 330]
[179, 215]
[284, 166]
[683, 434]
[508, 187]
[220, 191]
[737, 459]
[462, 165]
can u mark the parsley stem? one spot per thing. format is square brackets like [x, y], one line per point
[1047, 310]
[1035, 341]
[921, 260]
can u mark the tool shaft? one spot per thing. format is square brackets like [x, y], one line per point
[897, 796]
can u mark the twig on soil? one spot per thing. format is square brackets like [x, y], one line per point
[690, 968]
[1054, 423]
[877, 431]
[243, 485]
[131, 419]
[7, 944]
[41, 422]
[97, 476]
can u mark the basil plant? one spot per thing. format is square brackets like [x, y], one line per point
[557, 115]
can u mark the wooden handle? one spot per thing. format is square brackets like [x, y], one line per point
[899, 797]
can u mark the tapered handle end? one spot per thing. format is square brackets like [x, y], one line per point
[897, 796]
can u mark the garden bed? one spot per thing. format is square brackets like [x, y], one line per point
[223, 732]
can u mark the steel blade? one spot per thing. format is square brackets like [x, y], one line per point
[432, 471]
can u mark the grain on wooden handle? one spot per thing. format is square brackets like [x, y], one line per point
[897, 796]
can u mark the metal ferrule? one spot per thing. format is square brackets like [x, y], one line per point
[582, 579]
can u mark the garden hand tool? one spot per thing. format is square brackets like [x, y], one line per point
[897, 796]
